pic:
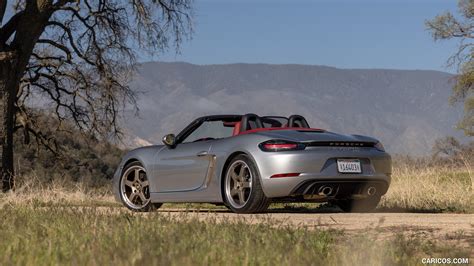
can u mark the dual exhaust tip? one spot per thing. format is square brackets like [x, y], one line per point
[371, 191]
[325, 191]
[328, 191]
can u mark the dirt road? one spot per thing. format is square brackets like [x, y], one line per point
[442, 226]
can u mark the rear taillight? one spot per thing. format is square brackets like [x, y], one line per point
[281, 145]
[379, 146]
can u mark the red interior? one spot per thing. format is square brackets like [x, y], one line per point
[236, 129]
[277, 128]
[238, 126]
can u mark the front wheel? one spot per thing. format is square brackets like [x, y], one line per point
[134, 188]
[358, 205]
[242, 188]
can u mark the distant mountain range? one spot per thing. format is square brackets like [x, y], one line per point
[406, 109]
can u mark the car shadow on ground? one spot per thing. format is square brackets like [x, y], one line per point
[325, 208]
[321, 209]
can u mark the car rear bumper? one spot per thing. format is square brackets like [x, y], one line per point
[319, 166]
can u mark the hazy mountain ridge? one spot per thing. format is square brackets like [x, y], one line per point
[406, 109]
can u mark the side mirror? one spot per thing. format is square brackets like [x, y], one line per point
[170, 140]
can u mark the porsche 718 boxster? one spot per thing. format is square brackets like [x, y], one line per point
[246, 162]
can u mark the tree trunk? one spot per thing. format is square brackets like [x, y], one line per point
[29, 27]
[8, 85]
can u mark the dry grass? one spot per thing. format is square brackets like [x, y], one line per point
[103, 236]
[32, 191]
[416, 187]
[424, 188]
[36, 229]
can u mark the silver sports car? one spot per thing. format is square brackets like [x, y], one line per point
[246, 162]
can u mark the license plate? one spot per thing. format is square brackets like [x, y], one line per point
[349, 166]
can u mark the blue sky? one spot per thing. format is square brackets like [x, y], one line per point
[340, 33]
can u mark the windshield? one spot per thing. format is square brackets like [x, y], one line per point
[210, 130]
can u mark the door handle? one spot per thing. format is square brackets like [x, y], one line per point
[202, 153]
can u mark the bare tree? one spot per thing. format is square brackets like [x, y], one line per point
[75, 57]
[445, 27]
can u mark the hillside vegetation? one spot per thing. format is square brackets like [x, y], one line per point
[72, 158]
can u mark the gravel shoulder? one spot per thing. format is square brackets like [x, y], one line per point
[443, 226]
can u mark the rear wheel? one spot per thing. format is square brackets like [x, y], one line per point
[358, 205]
[135, 188]
[242, 189]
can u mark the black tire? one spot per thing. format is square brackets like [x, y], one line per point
[256, 200]
[358, 205]
[125, 190]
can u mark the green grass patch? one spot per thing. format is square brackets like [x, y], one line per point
[96, 236]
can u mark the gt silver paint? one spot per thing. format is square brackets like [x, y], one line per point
[193, 172]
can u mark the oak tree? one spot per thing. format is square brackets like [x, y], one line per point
[448, 26]
[75, 57]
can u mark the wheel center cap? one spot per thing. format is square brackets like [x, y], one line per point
[137, 186]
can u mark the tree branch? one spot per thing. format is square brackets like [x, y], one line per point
[10, 27]
[71, 41]
[3, 9]
[61, 3]
[58, 46]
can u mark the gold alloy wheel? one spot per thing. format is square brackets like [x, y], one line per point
[135, 188]
[238, 184]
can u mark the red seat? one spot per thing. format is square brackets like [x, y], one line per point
[236, 129]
